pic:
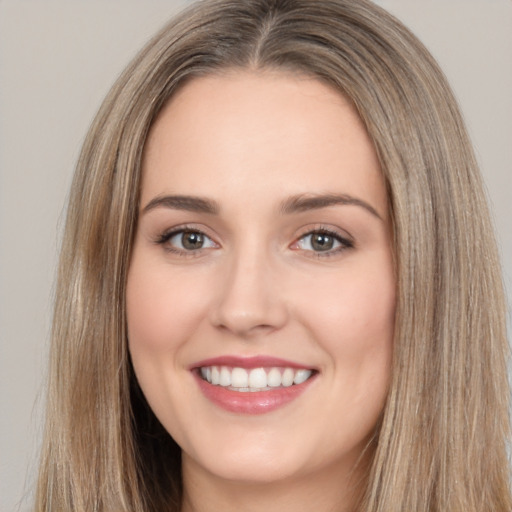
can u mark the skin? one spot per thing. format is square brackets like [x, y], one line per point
[251, 141]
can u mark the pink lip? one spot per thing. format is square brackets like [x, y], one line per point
[248, 362]
[251, 402]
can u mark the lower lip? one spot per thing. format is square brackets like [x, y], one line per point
[251, 402]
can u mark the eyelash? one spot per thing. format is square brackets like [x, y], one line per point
[166, 236]
[344, 243]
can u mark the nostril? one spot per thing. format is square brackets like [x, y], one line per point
[245, 328]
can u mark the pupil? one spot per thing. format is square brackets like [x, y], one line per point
[192, 240]
[322, 242]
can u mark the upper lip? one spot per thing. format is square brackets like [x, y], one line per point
[260, 361]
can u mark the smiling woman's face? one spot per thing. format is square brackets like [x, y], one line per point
[263, 255]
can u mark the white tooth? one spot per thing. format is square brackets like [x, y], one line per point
[204, 372]
[287, 377]
[258, 378]
[239, 378]
[301, 376]
[225, 377]
[274, 378]
[215, 375]
[209, 374]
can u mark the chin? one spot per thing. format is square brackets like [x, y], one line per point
[257, 462]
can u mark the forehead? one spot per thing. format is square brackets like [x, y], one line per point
[273, 132]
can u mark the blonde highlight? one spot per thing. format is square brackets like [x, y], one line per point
[441, 444]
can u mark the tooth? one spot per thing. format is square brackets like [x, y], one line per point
[225, 377]
[255, 379]
[274, 378]
[215, 375]
[239, 378]
[258, 378]
[287, 377]
[301, 376]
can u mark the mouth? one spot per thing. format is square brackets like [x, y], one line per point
[245, 380]
[252, 385]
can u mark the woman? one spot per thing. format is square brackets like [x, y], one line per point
[278, 285]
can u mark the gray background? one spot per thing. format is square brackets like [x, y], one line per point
[57, 61]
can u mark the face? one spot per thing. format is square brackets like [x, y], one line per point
[261, 292]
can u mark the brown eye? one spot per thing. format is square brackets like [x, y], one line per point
[322, 242]
[192, 240]
[187, 241]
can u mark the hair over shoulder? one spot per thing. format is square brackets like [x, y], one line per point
[441, 445]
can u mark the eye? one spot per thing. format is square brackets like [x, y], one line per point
[323, 241]
[186, 240]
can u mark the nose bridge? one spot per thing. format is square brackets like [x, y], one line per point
[249, 300]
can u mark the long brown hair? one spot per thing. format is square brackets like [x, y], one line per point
[441, 444]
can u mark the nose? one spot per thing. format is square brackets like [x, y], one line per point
[250, 300]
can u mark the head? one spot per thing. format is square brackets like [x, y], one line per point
[444, 259]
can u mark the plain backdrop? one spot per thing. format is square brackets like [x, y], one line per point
[57, 61]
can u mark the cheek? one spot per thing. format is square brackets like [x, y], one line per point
[162, 309]
[354, 311]
[352, 317]
[163, 312]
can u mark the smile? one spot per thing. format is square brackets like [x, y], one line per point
[255, 379]
[252, 385]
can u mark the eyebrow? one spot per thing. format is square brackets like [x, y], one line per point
[305, 202]
[187, 203]
[294, 204]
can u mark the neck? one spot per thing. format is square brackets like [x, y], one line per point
[334, 490]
